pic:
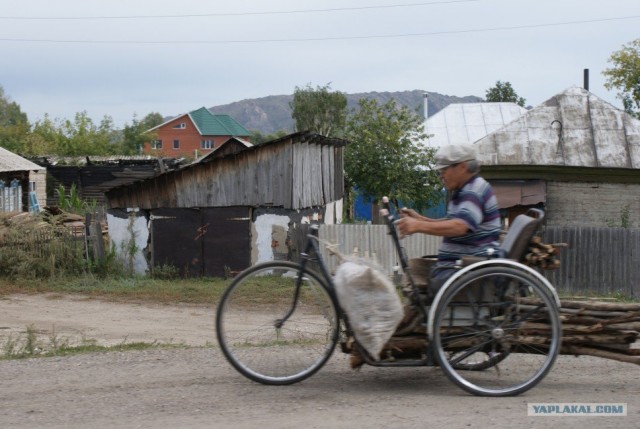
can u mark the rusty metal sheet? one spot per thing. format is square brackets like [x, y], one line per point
[226, 240]
[174, 240]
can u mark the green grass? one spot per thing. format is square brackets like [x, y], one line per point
[136, 289]
[31, 345]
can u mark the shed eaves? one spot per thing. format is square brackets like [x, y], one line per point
[9, 161]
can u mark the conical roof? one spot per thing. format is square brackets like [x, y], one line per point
[573, 128]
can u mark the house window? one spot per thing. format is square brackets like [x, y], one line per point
[176, 144]
[156, 144]
[206, 144]
[180, 126]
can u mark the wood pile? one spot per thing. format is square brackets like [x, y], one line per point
[594, 328]
[544, 256]
[601, 329]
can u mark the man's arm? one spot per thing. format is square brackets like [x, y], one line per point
[445, 228]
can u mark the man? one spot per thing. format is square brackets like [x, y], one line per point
[472, 224]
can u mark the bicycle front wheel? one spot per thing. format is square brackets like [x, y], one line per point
[276, 325]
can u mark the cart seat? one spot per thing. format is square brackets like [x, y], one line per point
[521, 231]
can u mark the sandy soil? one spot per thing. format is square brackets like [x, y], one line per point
[196, 388]
[77, 318]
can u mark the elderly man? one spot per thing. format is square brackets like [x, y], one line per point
[472, 223]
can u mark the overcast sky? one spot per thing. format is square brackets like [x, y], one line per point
[126, 57]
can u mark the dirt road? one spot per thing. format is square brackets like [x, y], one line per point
[196, 388]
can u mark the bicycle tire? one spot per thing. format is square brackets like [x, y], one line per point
[247, 323]
[484, 311]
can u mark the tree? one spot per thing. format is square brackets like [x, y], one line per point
[257, 137]
[319, 110]
[625, 76]
[385, 156]
[504, 92]
[135, 135]
[14, 125]
[80, 137]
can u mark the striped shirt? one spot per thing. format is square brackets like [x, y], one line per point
[477, 206]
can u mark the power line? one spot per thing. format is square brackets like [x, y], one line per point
[228, 14]
[316, 39]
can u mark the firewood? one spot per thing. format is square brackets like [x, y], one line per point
[606, 354]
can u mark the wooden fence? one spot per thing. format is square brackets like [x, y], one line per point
[598, 260]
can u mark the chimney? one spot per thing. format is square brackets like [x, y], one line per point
[586, 79]
[426, 106]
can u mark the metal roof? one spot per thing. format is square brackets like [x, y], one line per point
[209, 124]
[9, 161]
[573, 128]
[467, 122]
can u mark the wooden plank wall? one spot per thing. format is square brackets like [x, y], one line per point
[289, 175]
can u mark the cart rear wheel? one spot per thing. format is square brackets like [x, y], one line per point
[496, 331]
[270, 334]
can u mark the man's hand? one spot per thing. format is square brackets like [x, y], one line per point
[406, 212]
[406, 225]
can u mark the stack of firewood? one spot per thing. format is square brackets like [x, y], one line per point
[602, 329]
[544, 256]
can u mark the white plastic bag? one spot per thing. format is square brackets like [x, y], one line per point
[371, 303]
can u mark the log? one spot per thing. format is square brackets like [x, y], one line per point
[590, 351]
[603, 306]
[599, 329]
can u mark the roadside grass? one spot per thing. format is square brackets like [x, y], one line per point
[31, 345]
[206, 291]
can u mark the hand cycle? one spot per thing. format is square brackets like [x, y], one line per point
[279, 322]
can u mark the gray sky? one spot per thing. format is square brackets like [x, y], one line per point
[126, 57]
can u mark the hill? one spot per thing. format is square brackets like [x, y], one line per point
[272, 113]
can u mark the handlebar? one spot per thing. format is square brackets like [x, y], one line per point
[389, 219]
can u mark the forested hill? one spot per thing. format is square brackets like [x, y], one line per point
[272, 113]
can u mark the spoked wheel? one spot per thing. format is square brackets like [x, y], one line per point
[275, 326]
[479, 361]
[496, 331]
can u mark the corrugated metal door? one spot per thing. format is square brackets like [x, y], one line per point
[207, 241]
[175, 240]
[226, 240]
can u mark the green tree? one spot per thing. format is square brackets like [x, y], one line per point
[625, 76]
[14, 125]
[257, 137]
[77, 137]
[135, 135]
[504, 92]
[385, 157]
[319, 110]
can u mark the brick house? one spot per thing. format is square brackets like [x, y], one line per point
[194, 134]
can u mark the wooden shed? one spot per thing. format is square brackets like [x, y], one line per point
[22, 183]
[233, 207]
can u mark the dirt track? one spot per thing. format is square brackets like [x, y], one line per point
[196, 388]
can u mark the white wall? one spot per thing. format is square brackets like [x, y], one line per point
[120, 233]
[269, 232]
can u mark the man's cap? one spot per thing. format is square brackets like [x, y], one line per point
[453, 154]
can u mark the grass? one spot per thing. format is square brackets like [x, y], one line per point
[134, 289]
[137, 289]
[30, 345]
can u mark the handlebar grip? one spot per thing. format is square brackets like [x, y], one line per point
[385, 203]
[386, 208]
